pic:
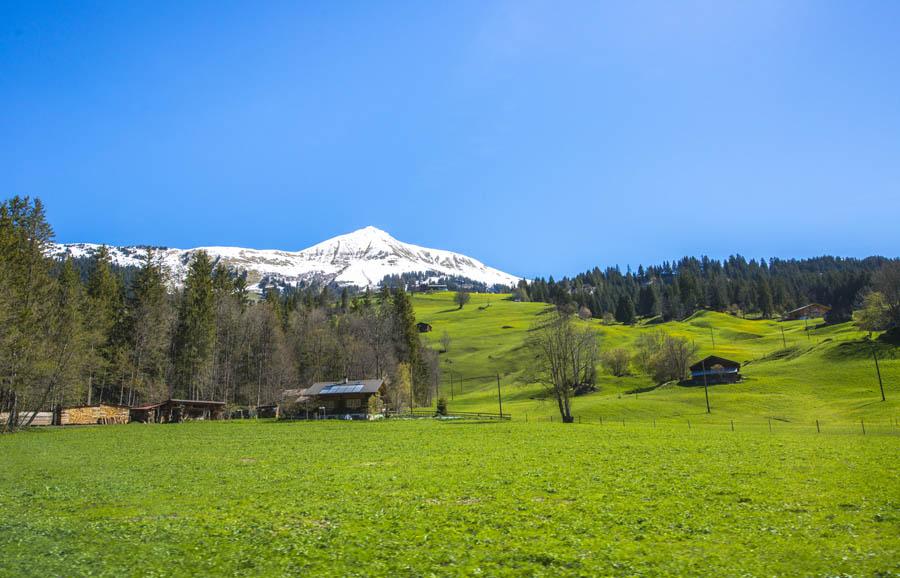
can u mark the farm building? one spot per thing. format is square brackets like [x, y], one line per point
[335, 398]
[714, 369]
[423, 327]
[177, 410]
[101, 413]
[810, 311]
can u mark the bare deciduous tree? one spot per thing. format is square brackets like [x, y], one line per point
[566, 359]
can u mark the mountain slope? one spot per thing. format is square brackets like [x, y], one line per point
[361, 258]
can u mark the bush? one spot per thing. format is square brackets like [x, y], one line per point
[616, 361]
[441, 406]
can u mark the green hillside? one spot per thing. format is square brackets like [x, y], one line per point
[826, 373]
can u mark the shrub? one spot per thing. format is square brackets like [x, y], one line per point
[441, 406]
[616, 361]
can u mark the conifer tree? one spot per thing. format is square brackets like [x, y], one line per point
[196, 329]
[105, 310]
[625, 310]
[151, 317]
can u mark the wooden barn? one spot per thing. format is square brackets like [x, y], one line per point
[423, 327]
[101, 413]
[178, 410]
[336, 398]
[810, 311]
[714, 369]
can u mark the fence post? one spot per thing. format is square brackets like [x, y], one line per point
[732, 425]
[863, 424]
[623, 422]
[654, 422]
[601, 420]
[689, 424]
[770, 425]
[817, 427]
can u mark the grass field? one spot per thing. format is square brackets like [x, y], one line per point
[825, 374]
[409, 498]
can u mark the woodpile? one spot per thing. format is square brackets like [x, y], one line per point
[93, 414]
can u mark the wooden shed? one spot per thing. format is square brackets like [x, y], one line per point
[178, 410]
[715, 369]
[102, 413]
[810, 311]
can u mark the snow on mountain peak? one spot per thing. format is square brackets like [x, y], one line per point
[362, 258]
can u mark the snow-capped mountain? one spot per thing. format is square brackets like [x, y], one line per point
[361, 258]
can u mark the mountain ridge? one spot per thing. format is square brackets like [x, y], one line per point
[361, 258]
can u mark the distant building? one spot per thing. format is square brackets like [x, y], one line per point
[423, 327]
[714, 369]
[346, 397]
[811, 311]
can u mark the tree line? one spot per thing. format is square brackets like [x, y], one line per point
[676, 290]
[97, 333]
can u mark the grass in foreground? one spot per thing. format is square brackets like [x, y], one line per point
[418, 498]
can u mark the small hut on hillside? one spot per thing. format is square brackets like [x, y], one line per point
[715, 369]
[810, 311]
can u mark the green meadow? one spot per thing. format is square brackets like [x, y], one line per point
[445, 498]
[794, 379]
[646, 484]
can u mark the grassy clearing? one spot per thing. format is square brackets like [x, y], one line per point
[418, 498]
[825, 374]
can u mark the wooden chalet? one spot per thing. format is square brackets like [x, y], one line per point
[715, 369]
[810, 311]
[423, 327]
[178, 410]
[101, 413]
[342, 398]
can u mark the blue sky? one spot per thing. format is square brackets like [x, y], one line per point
[540, 137]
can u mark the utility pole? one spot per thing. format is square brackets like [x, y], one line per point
[713, 335]
[499, 397]
[451, 385]
[878, 371]
[705, 387]
[783, 341]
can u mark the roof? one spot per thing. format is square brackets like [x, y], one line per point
[345, 386]
[195, 401]
[84, 405]
[183, 401]
[807, 306]
[146, 406]
[708, 362]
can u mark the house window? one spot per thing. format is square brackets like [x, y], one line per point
[353, 403]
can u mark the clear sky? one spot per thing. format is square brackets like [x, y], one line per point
[540, 137]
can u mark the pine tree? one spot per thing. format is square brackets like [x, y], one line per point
[105, 309]
[625, 310]
[29, 339]
[196, 330]
[150, 321]
[764, 298]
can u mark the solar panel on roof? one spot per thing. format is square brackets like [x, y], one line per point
[354, 388]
